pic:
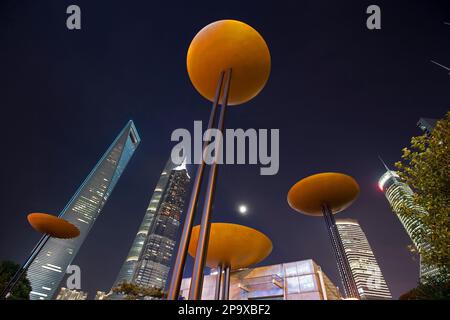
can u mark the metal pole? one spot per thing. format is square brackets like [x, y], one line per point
[351, 280]
[226, 284]
[13, 281]
[195, 291]
[345, 272]
[180, 260]
[218, 282]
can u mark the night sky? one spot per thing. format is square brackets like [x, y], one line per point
[340, 94]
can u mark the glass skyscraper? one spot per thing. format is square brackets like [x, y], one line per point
[48, 268]
[364, 267]
[148, 261]
[399, 194]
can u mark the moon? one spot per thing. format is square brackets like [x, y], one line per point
[243, 209]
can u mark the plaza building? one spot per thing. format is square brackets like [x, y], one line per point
[300, 280]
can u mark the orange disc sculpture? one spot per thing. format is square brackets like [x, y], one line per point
[326, 194]
[230, 247]
[229, 44]
[228, 63]
[50, 226]
[53, 226]
[234, 245]
[337, 190]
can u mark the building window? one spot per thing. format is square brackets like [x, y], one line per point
[307, 283]
[292, 285]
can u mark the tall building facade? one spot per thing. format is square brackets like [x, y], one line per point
[364, 267]
[299, 280]
[148, 261]
[426, 124]
[49, 266]
[400, 195]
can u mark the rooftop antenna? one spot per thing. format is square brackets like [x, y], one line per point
[384, 164]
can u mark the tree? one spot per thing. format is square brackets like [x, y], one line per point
[433, 288]
[23, 287]
[135, 292]
[425, 168]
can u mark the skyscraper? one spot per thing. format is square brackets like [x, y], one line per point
[400, 195]
[48, 268]
[148, 261]
[426, 124]
[364, 267]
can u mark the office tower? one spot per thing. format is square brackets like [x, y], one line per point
[48, 268]
[364, 267]
[67, 294]
[400, 195]
[299, 280]
[426, 124]
[148, 261]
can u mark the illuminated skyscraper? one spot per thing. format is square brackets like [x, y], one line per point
[364, 267]
[148, 261]
[48, 268]
[400, 195]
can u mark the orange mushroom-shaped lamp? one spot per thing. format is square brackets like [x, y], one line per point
[337, 191]
[225, 45]
[228, 63]
[231, 247]
[326, 194]
[53, 226]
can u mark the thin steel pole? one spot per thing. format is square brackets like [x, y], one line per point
[345, 272]
[195, 291]
[180, 260]
[226, 284]
[13, 281]
[218, 282]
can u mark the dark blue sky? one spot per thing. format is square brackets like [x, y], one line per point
[339, 93]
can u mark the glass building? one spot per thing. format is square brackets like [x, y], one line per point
[148, 261]
[300, 280]
[426, 125]
[400, 195]
[364, 267]
[49, 266]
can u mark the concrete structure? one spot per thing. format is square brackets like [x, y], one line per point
[300, 280]
[366, 271]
